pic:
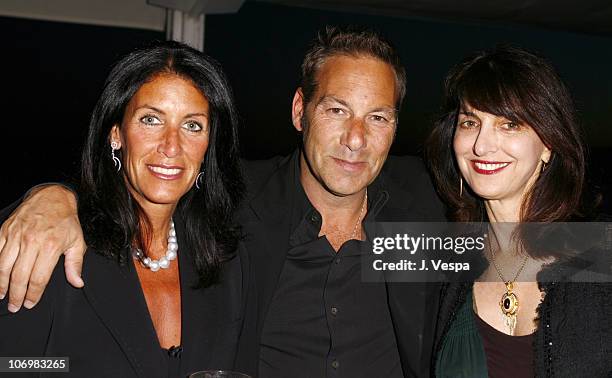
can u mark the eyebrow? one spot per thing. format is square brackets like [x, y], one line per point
[162, 112]
[344, 103]
[334, 99]
[467, 113]
[196, 115]
[385, 109]
[151, 108]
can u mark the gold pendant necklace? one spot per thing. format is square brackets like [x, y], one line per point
[509, 305]
[509, 302]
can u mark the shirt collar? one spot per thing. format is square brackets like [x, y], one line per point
[303, 210]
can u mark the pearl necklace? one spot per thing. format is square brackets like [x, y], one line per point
[164, 261]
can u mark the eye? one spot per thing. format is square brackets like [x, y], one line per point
[192, 126]
[511, 126]
[468, 124]
[381, 120]
[336, 111]
[150, 119]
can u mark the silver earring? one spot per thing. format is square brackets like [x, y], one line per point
[544, 165]
[460, 186]
[116, 161]
[199, 179]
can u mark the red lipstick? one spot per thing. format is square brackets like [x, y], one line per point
[488, 167]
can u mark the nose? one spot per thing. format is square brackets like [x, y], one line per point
[354, 137]
[486, 141]
[170, 145]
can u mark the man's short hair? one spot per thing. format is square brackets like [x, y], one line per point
[334, 41]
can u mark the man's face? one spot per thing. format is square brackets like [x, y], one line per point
[348, 125]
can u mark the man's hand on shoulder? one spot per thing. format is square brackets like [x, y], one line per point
[34, 236]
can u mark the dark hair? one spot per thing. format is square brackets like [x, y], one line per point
[112, 220]
[523, 87]
[333, 41]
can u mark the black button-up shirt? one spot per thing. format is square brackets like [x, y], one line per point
[323, 321]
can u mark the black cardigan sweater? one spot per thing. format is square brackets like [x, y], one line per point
[574, 333]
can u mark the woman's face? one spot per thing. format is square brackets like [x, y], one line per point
[499, 159]
[163, 138]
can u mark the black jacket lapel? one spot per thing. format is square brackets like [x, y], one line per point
[267, 224]
[114, 293]
[199, 311]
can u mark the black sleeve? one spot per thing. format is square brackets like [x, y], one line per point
[4, 213]
[247, 356]
[7, 211]
[26, 333]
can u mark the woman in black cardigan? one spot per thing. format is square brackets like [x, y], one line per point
[160, 181]
[508, 150]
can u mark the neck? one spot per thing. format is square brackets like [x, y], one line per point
[503, 217]
[501, 239]
[328, 204]
[159, 217]
[503, 210]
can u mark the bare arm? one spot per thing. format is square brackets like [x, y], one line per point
[33, 237]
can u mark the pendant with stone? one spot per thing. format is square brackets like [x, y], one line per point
[509, 305]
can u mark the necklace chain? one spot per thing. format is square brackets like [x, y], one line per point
[509, 303]
[499, 273]
[359, 219]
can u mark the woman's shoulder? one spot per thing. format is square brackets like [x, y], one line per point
[59, 287]
[585, 307]
[579, 317]
[592, 264]
[55, 287]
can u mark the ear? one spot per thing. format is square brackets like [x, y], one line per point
[115, 135]
[546, 154]
[297, 109]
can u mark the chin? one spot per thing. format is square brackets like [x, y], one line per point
[164, 198]
[345, 187]
[489, 194]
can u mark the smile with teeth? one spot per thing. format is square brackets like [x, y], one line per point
[488, 167]
[165, 171]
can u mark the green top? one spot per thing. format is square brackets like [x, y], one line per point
[462, 353]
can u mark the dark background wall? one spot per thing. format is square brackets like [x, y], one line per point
[53, 73]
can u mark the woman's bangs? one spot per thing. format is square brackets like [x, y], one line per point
[489, 91]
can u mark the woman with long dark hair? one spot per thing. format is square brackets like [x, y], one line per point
[160, 182]
[508, 150]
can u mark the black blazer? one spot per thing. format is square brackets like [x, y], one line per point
[106, 330]
[265, 219]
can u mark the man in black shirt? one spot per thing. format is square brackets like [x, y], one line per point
[311, 315]
[317, 318]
